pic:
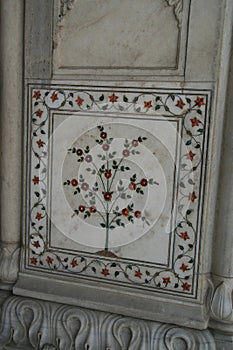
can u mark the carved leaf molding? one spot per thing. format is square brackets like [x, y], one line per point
[221, 303]
[49, 347]
[173, 338]
[34, 324]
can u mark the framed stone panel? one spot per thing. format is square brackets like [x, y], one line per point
[115, 38]
[115, 181]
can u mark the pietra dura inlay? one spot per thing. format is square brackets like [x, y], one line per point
[116, 185]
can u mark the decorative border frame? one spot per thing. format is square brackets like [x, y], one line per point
[190, 105]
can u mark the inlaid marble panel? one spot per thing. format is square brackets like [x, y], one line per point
[112, 174]
[116, 185]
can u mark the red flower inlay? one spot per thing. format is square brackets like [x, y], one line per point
[113, 98]
[184, 267]
[107, 196]
[180, 104]
[125, 211]
[137, 214]
[199, 101]
[147, 104]
[143, 182]
[184, 235]
[132, 186]
[37, 95]
[135, 143]
[103, 135]
[40, 143]
[166, 280]
[195, 122]
[138, 274]
[35, 180]
[38, 216]
[81, 208]
[93, 209]
[54, 97]
[108, 174]
[36, 244]
[79, 152]
[192, 196]
[186, 286]
[79, 101]
[49, 260]
[33, 261]
[105, 272]
[190, 155]
[74, 263]
[74, 182]
[39, 113]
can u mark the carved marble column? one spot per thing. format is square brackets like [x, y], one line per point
[11, 57]
[222, 269]
[221, 306]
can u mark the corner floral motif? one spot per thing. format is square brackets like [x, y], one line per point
[191, 107]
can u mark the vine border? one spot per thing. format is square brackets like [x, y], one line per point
[192, 107]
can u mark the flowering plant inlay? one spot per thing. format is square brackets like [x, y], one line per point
[102, 192]
[191, 108]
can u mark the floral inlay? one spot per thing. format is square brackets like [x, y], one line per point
[192, 107]
[104, 192]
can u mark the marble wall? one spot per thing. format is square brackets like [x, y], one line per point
[116, 120]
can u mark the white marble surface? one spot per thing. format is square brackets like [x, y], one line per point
[112, 34]
[11, 127]
[130, 36]
[11, 110]
[156, 160]
[207, 55]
